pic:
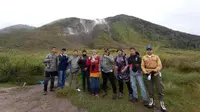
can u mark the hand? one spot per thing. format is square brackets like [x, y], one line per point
[145, 72]
[85, 69]
[116, 67]
[155, 70]
[123, 70]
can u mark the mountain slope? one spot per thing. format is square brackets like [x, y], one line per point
[120, 30]
[16, 28]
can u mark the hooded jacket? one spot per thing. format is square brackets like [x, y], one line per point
[106, 63]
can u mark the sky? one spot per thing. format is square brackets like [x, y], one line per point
[182, 15]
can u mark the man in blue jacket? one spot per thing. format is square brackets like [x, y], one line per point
[62, 67]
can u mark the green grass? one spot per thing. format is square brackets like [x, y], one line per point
[6, 85]
[181, 80]
[181, 95]
[100, 104]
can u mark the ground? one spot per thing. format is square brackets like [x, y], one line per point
[30, 99]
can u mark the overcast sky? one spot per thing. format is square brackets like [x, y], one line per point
[182, 15]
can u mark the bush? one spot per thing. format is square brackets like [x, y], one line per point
[20, 68]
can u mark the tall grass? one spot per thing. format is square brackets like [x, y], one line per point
[20, 67]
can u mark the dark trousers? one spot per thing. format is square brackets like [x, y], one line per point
[49, 76]
[121, 86]
[85, 77]
[109, 76]
[156, 81]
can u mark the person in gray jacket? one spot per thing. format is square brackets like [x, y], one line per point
[51, 69]
[74, 69]
[106, 64]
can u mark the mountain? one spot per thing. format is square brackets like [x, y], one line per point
[16, 28]
[118, 31]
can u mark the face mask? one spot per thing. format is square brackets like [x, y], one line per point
[84, 54]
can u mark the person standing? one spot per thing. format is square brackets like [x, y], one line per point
[74, 68]
[122, 70]
[51, 62]
[84, 70]
[106, 64]
[94, 63]
[134, 62]
[151, 66]
[62, 67]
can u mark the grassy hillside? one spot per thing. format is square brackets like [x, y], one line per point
[120, 30]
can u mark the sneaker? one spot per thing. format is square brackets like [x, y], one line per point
[78, 90]
[52, 90]
[130, 97]
[97, 95]
[114, 96]
[45, 93]
[134, 100]
[162, 106]
[151, 103]
[120, 95]
[145, 103]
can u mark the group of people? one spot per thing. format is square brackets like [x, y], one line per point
[126, 69]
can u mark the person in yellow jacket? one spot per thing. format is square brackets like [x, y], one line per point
[151, 66]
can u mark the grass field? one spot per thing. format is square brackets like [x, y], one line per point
[180, 77]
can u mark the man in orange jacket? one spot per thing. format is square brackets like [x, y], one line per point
[151, 66]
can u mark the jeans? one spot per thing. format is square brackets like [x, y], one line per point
[156, 81]
[95, 85]
[135, 76]
[61, 78]
[121, 86]
[86, 77]
[49, 76]
[111, 77]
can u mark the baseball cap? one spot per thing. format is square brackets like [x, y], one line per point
[149, 48]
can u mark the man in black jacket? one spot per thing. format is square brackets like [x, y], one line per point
[84, 70]
[134, 62]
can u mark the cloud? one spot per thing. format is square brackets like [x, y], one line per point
[180, 15]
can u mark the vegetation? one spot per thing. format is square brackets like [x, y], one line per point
[17, 68]
[180, 77]
[181, 81]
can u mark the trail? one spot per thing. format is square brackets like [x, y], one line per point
[30, 99]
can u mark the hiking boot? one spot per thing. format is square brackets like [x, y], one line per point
[135, 100]
[45, 93]
[120, 95]
[114, 96]
[130, 97]
[162, 106]
[145, 103]
[151, 103]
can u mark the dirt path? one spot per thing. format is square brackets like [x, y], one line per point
[30, 99]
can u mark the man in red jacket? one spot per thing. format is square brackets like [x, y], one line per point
[94, 62]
